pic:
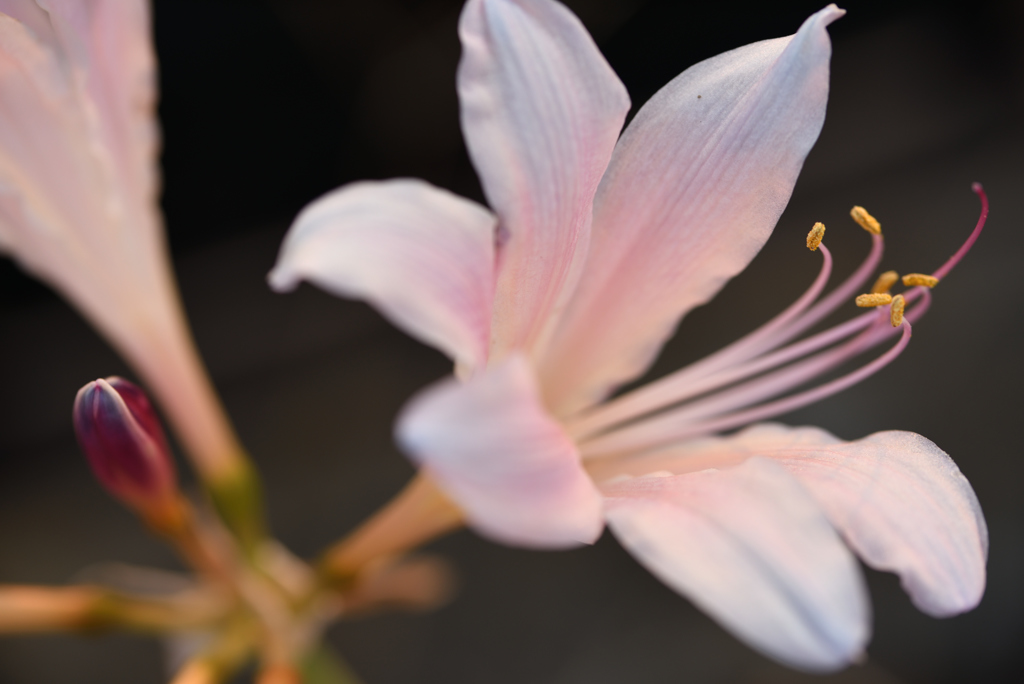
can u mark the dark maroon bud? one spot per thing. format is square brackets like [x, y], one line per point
[121, 436]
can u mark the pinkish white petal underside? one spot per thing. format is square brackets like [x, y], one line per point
[423, 256]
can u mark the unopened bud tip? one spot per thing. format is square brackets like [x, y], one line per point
[121, 436]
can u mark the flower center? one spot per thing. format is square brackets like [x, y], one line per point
[752, 378]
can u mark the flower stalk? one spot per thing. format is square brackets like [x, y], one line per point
[417, 515]
[33, 609]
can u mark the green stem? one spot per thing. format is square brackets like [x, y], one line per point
[238, 498]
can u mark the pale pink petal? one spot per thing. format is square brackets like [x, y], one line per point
[72, 213]
[423, 256]
[63, 213]
[35, 19]
[491, 446]
[897, 499]
[750, 547]
[541, 110]
[693, 190]
[109, 70]
[904, 506]
[108, 41]
[46, 167]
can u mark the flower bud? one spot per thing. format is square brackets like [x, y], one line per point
[121, 436]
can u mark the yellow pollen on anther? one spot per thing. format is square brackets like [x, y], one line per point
[896, 311]
[884, 282]
[866, 220]
[814, 237]
[912, 279]
[866, 301]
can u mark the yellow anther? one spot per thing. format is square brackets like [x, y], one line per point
[884, 282]
[815, 236]
[896, 311]
[866, 220]
[920, 279]
[866, 301]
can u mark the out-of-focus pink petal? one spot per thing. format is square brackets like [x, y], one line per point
[750, 547]
[898, 500]
[693, 190]
[108, 40]
[47, 173]
[541, 110]
[64, 214]
[422, 255]
[94, 161]
[904, 506]
[70, 210]
[34, 17]
[491, 446]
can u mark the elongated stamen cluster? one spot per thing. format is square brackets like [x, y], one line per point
[749, 379]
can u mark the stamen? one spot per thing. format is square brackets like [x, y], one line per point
[583, 429]
[678, 386]
[885, 282]
[896, 310]
[726, 412]
[702, 406]
[834, 299]
[866, 220]
[811, 396]
[663, 392]
[912, 279]
[867, 301]
[814, 237]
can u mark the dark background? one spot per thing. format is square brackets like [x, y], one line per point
[268, 104]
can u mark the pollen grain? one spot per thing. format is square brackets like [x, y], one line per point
[814, 237]
[866, 220]
[896, 311]
[867, 301]
[885, 282]
[920, 279]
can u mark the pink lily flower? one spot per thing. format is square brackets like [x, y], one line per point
[594, 248]
[79, 188]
